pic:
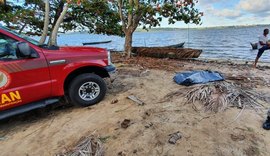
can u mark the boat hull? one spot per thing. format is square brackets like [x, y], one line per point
[93, 43]
[165, 52]
[180, 45]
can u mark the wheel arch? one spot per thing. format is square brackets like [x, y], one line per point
[92, 69]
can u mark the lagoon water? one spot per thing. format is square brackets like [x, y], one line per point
[216, 43]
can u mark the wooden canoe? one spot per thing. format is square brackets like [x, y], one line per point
[180, 45]
[92, 43]
[165, 52]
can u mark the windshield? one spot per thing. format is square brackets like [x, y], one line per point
[35, 42]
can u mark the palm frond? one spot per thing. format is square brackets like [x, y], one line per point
[90, 146]
[218, 96]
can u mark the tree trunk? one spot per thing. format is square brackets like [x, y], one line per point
[53, 37]
[46, 23]
[24, 25]
[58, 11]
[128, 43]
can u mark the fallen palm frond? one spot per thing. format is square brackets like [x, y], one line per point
[218, 96]
[90, 146]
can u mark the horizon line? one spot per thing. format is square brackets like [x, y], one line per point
[205, 27]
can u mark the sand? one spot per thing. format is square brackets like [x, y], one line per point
[55, 130]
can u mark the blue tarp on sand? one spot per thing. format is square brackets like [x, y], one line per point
[189, 78]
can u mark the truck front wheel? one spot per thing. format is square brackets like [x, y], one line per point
[87, 89]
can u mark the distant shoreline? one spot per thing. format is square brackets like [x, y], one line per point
[201, 28]
[175, 29]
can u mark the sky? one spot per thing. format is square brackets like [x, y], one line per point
[231, 12]
[226, 13]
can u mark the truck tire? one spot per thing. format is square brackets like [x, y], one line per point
[87, 89]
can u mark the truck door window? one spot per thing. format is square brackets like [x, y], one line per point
[7, 48]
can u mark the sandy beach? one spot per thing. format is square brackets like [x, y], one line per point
[57, 130]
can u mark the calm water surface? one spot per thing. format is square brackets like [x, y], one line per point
[224, 43]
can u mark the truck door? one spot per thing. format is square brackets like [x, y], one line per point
[22, 80]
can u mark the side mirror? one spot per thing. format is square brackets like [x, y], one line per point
[23, 50]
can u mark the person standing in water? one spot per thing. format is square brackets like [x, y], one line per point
[262, 45]
[266, 124]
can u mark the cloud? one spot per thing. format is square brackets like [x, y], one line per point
[208, 2]
[252, 6]
[234, 12]
[227, 13]
[211, 11]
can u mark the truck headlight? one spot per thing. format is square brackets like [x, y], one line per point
[109, 58]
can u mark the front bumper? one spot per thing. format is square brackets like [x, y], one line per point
[111, 71]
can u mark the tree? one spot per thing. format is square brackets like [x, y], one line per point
[46, 23]
[149, 13]
[15, 16]
[95, 16]
[100, 16]
[53, 36]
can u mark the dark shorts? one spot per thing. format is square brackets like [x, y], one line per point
[260, 52]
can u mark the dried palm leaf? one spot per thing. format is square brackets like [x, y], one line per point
[218, 96]
[90, 146]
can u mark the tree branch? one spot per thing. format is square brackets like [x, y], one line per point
[53, 37]
[120, 6]
[130, 14]
[138, 15]
[46, 23]
[23, 26]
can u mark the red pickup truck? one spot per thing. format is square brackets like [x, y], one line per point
[34, 76]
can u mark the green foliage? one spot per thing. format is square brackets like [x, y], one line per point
[95, 16]
[16, 17]
[151, 12]
[99, 16]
